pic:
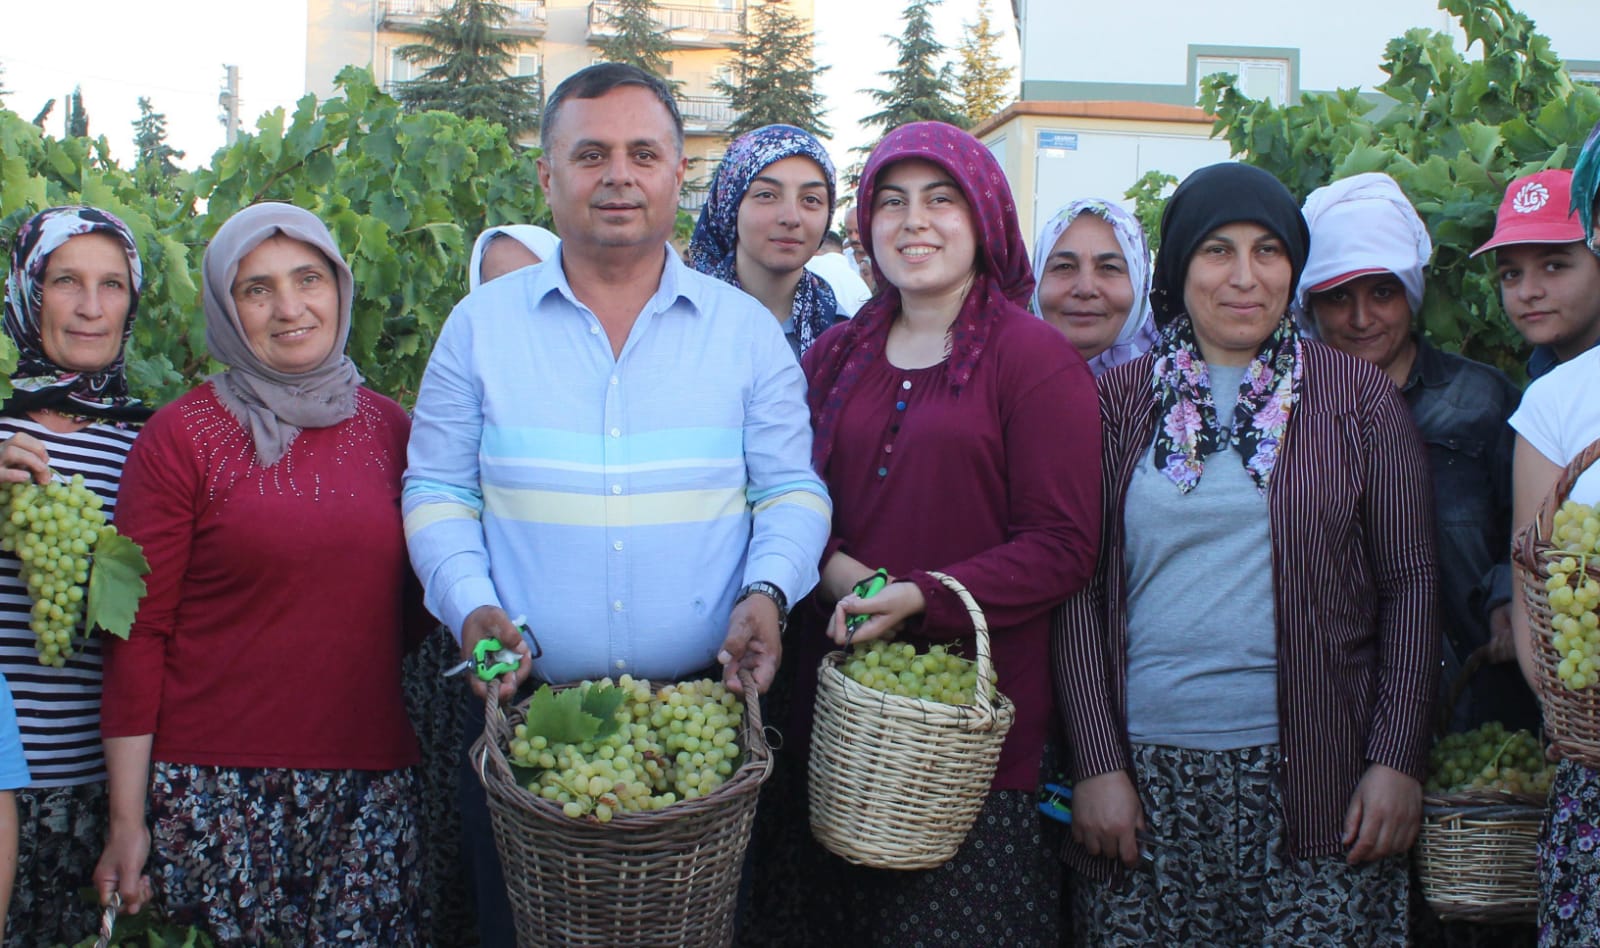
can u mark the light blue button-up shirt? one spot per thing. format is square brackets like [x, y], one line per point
[618, 503]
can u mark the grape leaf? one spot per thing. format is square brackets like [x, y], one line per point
[602, 702]
[559, 716]
[115, 586]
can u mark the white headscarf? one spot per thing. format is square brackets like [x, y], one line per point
[540, 242]
[1359, 225]
[1138, 332]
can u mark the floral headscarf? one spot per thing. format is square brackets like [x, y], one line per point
[1004, 280]
[40, 383]
[1138, 331]
[713, 248]
[1189, 431]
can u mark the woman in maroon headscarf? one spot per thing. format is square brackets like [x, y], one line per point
[957, 433]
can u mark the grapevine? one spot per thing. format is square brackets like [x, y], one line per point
[897, 667]
[53, 530]
[599, 749]
[1574, 596]
[1489, 758]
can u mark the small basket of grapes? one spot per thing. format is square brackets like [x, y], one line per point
[1557, 561]
[904, 747]
[622, 810]
[1481, 809]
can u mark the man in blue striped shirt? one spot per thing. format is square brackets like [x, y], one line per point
[610, 444]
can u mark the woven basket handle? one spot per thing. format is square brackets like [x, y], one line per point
[1543, 524]
[984, 699]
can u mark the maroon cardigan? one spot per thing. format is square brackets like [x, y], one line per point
[1353, 581]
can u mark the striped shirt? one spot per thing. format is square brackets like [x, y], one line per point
[618, 503]
[58, 709]
[1353, 582]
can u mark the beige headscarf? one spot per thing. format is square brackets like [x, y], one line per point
[274, 406]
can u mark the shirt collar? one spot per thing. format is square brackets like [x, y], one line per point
[1428, 369]
[676, 283]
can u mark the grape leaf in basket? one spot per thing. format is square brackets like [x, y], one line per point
[558, 716]
[602, 702]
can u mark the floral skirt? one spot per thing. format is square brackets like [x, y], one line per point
[295, 857]
[60, 831]
[1220, 872]
[1569, 859]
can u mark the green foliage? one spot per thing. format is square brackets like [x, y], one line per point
[403, 195]
[985, 84]
[148, 929]
[154, 168]
[775, 74]
[573, 715]
[1149, 196]
[920, 87]
[8, 364]
[77, 118]
[469, 58]
[1455, 132]
[639, 39]
[115, 585]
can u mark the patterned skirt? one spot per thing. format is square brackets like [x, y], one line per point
[60, 831]
[294, 857]
[1220, 872]
[1569, 859]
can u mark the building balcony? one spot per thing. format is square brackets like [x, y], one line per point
[527, 16]
[692, 198]
[686, 27]
[706, 113]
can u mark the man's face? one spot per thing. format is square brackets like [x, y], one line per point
[613, 172]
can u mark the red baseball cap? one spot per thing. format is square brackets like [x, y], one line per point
[1534, 211]
[1344, 278]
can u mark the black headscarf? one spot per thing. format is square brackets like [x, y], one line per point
[1213, 197]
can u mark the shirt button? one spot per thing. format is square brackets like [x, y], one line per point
[594, 330]
[617, 545]
[899, 406]
[621, 664]
[906, 385]
[883, 472]
[616, 432]
[616, 606]
[616, 488]
[613, 380]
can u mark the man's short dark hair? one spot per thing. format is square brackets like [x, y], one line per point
[833, 242]
[595, 81]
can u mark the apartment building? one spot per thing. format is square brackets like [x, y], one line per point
[558, 38]
[1109, 90]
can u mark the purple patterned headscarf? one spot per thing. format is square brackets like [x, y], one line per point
[713, 248]
[1004, 277]
[38, 381]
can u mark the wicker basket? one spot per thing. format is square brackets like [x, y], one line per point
[1476, 852]
[895, 782]
[1571, 718]
[666, 877]
[1476, 856]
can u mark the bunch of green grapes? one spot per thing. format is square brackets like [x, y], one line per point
[1574, 596]
[1490, 758]
[53, 530]
[678, 743]
[896, 667]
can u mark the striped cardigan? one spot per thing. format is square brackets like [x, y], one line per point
[1353, 584]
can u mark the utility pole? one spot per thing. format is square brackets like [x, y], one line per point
[229, 100]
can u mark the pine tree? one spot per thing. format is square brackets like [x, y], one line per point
[775, 73]
[985, 84]
[920, 87]
[154, 167]
[468, 59]
[639, 40]
[77, 119]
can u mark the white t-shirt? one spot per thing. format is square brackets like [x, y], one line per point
[848, 287]
[1560, 416]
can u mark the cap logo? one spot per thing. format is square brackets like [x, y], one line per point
[1530, 198]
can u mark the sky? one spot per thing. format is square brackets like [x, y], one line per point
[173, 51]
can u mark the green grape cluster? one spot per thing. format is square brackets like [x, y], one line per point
[1490, 758]
[1574, 596]
[896, 667]
[53, 530]
[676, 743]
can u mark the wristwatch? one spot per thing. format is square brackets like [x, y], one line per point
[763, 588]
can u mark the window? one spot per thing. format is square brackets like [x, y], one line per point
[527, 65]
[1266, 79]
[400, 69]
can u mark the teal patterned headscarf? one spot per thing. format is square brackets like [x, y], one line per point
[1586, 185]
